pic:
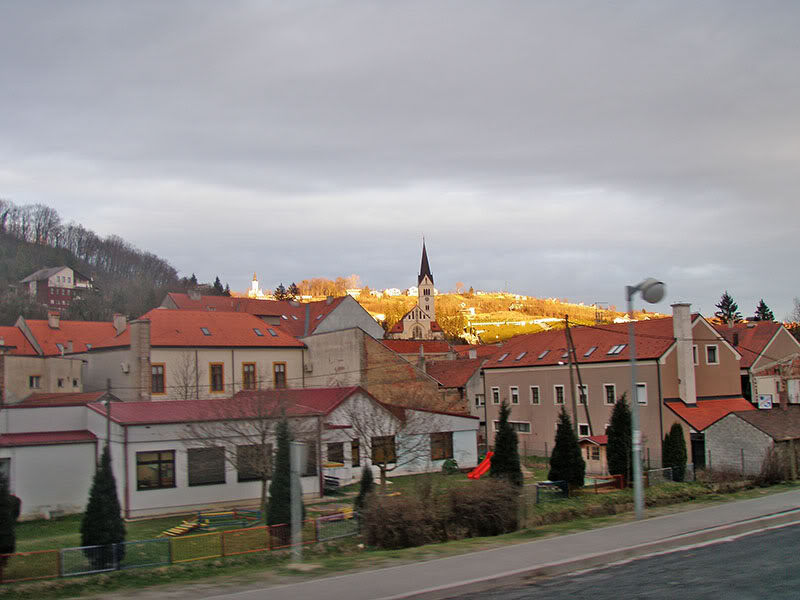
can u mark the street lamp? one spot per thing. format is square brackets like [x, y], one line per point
[652, 291]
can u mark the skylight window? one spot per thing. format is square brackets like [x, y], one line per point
[521, 354]
[617, 349]
[566, 354]
[205, 331]
[294, 317]
[319, 317]
[284, 317]
[88, 346]
[60, 347]
[258, 332]
[272, 332]
[503, 357]
[589, 351]
[543, 354]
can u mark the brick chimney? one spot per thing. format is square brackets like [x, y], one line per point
[682, 330]
[69, 346]
[120, 323]
[421, 361]
[53, 319]
[140, 359]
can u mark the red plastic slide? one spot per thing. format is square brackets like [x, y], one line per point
[481, 468]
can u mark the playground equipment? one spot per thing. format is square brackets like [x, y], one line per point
[481, 468]
[211, 521]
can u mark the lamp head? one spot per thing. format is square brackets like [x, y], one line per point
[652, 290]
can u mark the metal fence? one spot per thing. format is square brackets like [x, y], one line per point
[659, 476]
[24, 566]
[547, 491]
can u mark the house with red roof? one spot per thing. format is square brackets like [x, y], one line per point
[173, 457]
[683, 365]
[185, 354]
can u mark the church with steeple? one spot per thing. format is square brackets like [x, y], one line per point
[420, 322]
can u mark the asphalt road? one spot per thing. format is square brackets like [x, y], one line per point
[758, 566]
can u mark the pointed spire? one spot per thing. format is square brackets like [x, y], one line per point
[254, 277]
[424, 268]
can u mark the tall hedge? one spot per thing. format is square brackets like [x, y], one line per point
[566, 462]
[365, 489]
[280, 490]
[673, 452]
[102, 523]
[505, 462]
[8, 539]
[619, 451]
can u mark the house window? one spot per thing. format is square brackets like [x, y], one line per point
[311, 459]
[157, 385]
[694, 355]
[518, 426]
[479, 401]
[495, 395]
[592, 453]
[253, 461]
[249, 376]
[558, 393]
[611, 393]
[583, 394]
[279, 375]
[355, 453]
[336, 452]
[35, 382]
[617, 349]
[442, 445]
[583, 429]
[206, 466]
[514, 393]
[155, 470]
[383, 450]
[258, 332]
[61, 382]
[5, 470]
[216, 374]
[712, 357]
[641, 393]
[535, 394]
[74, 383]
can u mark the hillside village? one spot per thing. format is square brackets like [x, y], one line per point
[355, 392]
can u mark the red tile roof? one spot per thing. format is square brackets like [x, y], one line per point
[708, 411]
[453, 373]
[481, 350]
[296, 402]
[412, 346]
[70, 399]
[399, 327]
[753, 338]
[80, 333]
[600, 440]
[46, 438]
[653, 338]
[292, 314]
[183, 328]
[12, 336]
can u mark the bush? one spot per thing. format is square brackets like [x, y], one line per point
[774, 469]
[102, 523]
[450, 466]
[365, 489]
[674, 452]
[566, 461]
[392, 522]
[486, 507]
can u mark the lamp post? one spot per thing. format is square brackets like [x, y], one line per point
[652, 291]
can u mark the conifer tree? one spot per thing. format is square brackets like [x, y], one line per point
[728, 309]
[673, 453]
[280, 490]
[281, 293]
[218, 289]
[566, 462]
[102, 523]
[8, 539]
[505, 462]
[293, 292]
[619, 450]
[365, 489]
[763, 313]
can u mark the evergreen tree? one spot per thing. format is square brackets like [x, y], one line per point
[505, 462]
[619, 450]
[763, 313]
[193, 280]
[293, 292]
[280, 490]
[102, 523]
[566, 462]
[365, 489]
[673, 452]
[8, 539]
[728, 309]
[227, 291]
[217, 289]
[281, 293]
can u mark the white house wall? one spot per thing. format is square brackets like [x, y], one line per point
[39, 419]
[347, 315]
[335, 358]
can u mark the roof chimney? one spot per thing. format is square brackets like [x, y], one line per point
[473, 353]
[329, 299]
[194, 294]
[682, 330]
[120, 323]
[421, 361]
[53, 319]
[69, 346]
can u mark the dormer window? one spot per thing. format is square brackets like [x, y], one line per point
[205, 331]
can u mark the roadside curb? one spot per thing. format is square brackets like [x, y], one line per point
[588, 561]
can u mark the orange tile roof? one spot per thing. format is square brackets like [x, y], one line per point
[184, 328]
[81, 333]
[753, 338]
[63, 399]
[453, 373]
[481, 350]
[412, 346]
[708, 411]
[12, 336]
[653, 338]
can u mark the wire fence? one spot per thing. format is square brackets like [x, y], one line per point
[67, 562]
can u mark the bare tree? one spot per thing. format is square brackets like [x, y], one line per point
[186, 376]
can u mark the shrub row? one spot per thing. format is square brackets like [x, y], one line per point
[481, 508]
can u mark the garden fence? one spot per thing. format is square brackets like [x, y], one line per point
[24, 566]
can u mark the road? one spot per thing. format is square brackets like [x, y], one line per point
[758, 565]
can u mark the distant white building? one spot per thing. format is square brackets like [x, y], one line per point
[392, 292]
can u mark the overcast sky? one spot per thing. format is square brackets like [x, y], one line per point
[557, 149]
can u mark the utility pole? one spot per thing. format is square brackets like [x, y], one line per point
[571, 380]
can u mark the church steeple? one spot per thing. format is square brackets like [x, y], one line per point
[424, 267]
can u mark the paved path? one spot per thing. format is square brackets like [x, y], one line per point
[458, 575]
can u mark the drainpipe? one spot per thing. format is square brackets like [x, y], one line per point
[126, 485]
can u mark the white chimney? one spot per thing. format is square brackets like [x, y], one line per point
[120, 323]
[473, 353]
[682, 330]
[53, 319]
